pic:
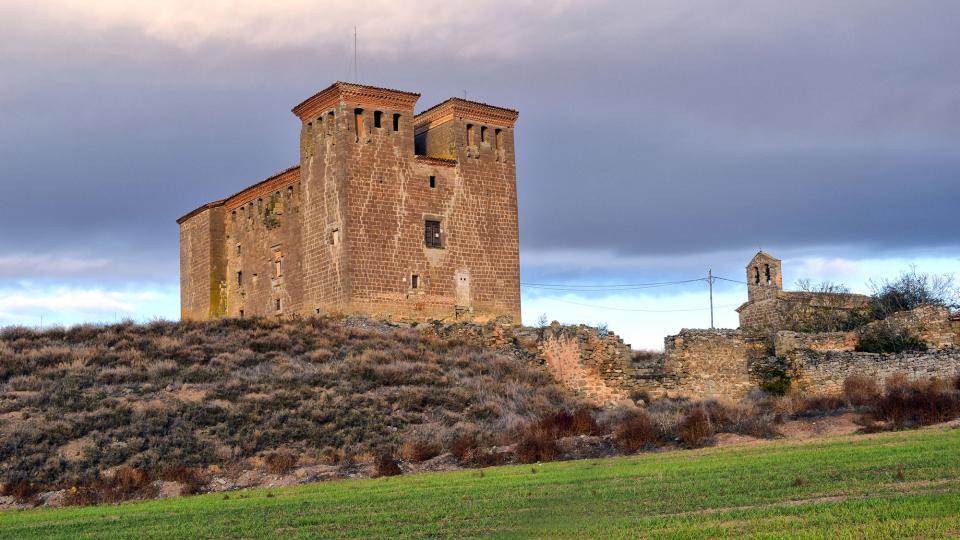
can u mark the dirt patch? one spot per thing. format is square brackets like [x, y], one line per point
[829, 426]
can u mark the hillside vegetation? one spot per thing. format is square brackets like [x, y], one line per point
[103, 414]
[76, 402]
[892, 485]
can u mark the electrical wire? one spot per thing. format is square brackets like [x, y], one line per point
[613, 308]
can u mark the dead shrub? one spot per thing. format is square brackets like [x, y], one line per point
[537, 445]
[125, 484]
[280, 462]
[191, 480]
[860, 390]
[906, 403]
[387, 465]
[818, 406]
[695, 429]
[636, 432]
[462, 444]
[417, 449]
[584, 423]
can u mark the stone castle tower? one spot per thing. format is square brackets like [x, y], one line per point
[389, 214]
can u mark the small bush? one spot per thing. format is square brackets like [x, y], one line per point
[860, 390]
[387, 465]
[695, 429]
[280, 462]
[885, 338]
[537, 445]
[636, 432]
[462, 445]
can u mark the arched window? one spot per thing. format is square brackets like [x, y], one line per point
[469, 134]
[769, 278]
[756, 275]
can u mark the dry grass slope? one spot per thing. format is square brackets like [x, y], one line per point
[80, 401]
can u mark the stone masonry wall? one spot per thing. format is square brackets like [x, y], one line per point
[707, 363]
[787, 342]
[824, 372]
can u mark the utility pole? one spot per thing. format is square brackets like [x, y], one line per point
[710, 282]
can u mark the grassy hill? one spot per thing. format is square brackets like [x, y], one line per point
[75, 402]
[901, 484]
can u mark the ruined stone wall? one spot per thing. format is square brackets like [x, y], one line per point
[930, 323]
[824, 372]
[708, 363]
[594, 365]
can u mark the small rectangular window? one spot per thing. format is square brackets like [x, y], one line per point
[358, 122]
[483, 134]
[377, 118]
[469, 134]
[335, 237]
[277, 304]
[241, 313]
[414, 281]
[238, 249]
[239, 279]
[433, 182]
[498, 139]
[431, 234]
[278, 263]
[396, 121]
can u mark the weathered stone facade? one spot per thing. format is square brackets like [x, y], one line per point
[389, 214]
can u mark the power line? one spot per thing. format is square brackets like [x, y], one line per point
[598, 287]
[730, 280]
[614, 308]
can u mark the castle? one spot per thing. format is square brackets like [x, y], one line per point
[389, 214]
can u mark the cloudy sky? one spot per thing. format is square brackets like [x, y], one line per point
[657, 139]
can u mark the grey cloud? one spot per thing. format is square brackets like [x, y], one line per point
[718, 126]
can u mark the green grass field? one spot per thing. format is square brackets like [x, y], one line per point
[904, 484]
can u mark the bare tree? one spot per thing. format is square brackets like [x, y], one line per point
[911, 290]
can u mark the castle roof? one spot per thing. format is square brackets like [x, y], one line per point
[474, 110]
[272, 182]
[356, 94]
